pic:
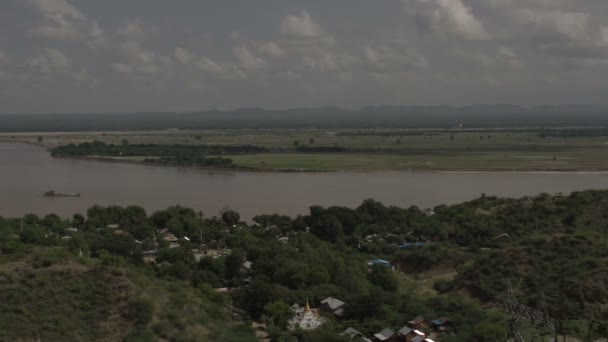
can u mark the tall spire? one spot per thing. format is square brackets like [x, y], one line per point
[307, 309]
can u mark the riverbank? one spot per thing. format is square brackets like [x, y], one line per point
[430, 169]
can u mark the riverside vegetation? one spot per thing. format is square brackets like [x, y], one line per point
[84, 278]
[526, 149]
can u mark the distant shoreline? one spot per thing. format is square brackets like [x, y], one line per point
[250, 169]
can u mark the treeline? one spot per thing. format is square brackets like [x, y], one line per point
[319, 149]
[480, 116]
[574, 133]
[98, 148]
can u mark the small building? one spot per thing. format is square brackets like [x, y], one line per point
[72, 230]
[429, 212]
[283, 239]
[442, 324]
[333, 305]
[418, 323]
[113, 226]
[351, 332]
[408, 245]
[405, 331]
[380, 262]
[385, 335]
[149, 256]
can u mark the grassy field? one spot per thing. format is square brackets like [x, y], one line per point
[431, 150]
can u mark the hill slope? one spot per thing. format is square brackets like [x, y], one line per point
[53, 296]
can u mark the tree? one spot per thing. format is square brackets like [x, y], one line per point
[234, 265]
[296, 143]
[39, 138]
[311, 140]
[278, 313]
[383, 277]
[231, 217]
[125, 142]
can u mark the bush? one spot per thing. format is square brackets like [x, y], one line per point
[139, 310]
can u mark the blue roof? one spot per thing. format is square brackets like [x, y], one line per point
[437, 322]
[380, 261]
[411, 244]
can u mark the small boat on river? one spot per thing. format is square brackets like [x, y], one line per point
[53, 193]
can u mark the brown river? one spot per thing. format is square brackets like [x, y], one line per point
[27, 171]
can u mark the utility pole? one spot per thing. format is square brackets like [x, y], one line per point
[516, 312]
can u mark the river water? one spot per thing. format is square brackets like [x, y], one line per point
[26, 171]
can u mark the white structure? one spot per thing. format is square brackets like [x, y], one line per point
[305, 318]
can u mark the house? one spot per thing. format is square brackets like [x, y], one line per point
[385, 335]
[381, 262]
[442, 324]
[283, 239]
[113, 226]
[333, 305]
[150, 256]
[418, 323]
[72, 229]
[429, 212]
[405, 331]
[352, 333]
[407, 245]
[410, 334]
[416, 336]
[170, 237]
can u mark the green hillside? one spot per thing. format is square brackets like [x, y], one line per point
[52, 295]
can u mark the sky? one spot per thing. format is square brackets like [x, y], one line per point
[182, 55]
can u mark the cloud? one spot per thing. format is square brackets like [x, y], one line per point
[183, 56]
[219, 70]
[248, 60]
[271, 49]
[391, 59]
[56, 8]
[450, 17]
[63, 21]
[134, 29]
[51, 61]
[300, 25]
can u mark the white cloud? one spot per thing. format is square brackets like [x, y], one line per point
[3, 58]
[63, 21]
[573, 25]
[52, 60]
[122, 68]
[220, 70]
[300, 26]
[56, 8]
[271, 49]
[248, 60]
[134, 29]
[391, 59]
[451, 17]
[508, 57]
[183, 56]
[604, 34]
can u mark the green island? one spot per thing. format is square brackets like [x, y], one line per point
[454, 273]
[484, 149]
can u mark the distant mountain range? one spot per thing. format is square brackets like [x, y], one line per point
[475, 116]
